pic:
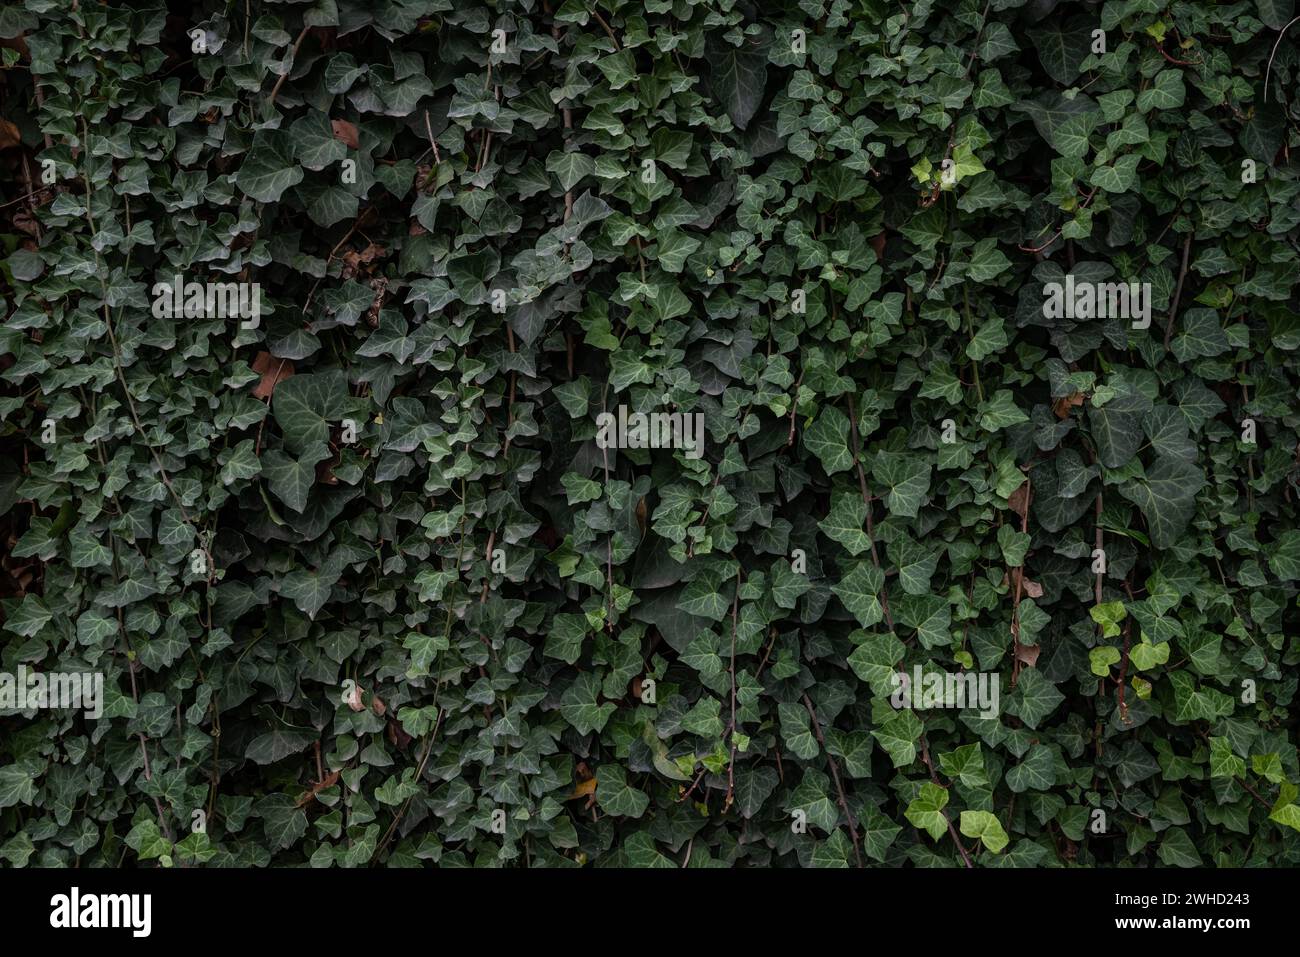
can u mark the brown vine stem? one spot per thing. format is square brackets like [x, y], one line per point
[121, 375]
[144, 747]
[1123, 661]
[970, 63]
[1098, 547]
[1019, 575]
[567, 112]
[839, 786]
[275, 90]
[419, 772]
[609, 541]
[601, 21]
[482, 600]
[934, 777]
[867, 500]
[1178, 290]
[1160, 48]
[794, 408]
[691, 790]
[1087, 201]
[433, 143]
[1255, 794]
[984, 19]
[1097, 539]
[1273, 53]
[23, 198]
[40, 104]
[731, 765]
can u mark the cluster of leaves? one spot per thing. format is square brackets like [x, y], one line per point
[364, 588]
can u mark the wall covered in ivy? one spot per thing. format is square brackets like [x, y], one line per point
[658, 434]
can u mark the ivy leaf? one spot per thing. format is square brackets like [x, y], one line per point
[642, 853]
[834, 852]
[1276, 13]
[1034, 699]
[1145, 655]
[308, 589]
[570, 167]
[279, 743]
[859, 590]
[1199, 334]
[1223, 763]
[702, 599]
[796, 731]
[908, 479]
[754, 785]
[1061, 46]
[878, 833]
[28, 617]
[269, 169]
[314, 144]
[1037, 771]
[787, 584]
[898, 737]
[565, 638]
[1285, 811]
[283, 822]
[1100, 659]
[875, 659]
[615, 796]
[925, 811]
[1177, 849]
[845, 522]
[1000, 411]
[1166, 495]
[17, 785]
[915, 562]
[1119, 176]
[1117, 428]
[292, 479]
[737, 76]
[966, 764]
[985, 826]
[990, 338]
[304, 406]
[813, 797]
[1284, 562]
[579, 705]
[929, 614]
[147, 840]
[1165, 93]
[828, 439]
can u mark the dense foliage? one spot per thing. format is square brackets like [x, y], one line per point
[363, 586]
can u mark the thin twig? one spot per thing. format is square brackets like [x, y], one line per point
[731, 765]
[275, 90]
[1087, 201]
[867, 500]
[839, 787]
[1281, 33]
[1178, 290]
[934, 778]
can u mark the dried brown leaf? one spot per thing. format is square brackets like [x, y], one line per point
[1028, 654]
[273, 371]
[345, 133]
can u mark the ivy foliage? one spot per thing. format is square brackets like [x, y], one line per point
[365, 589]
